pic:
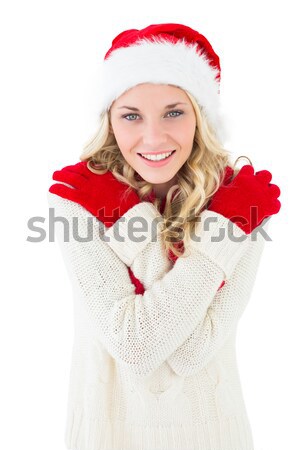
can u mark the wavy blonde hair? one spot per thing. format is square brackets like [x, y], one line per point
[197, 180]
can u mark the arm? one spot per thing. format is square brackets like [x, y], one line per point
[141, 331]
[221, 316]
[148, 260]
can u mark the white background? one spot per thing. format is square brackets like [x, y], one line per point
[51, 54]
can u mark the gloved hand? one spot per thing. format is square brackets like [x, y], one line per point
[101, 195]
[248, 199]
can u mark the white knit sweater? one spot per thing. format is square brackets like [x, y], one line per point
[156, 371]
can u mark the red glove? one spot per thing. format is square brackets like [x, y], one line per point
[101, 195]
[248, 199]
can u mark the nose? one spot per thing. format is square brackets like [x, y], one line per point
[154, 134]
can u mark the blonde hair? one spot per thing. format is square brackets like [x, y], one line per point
[197, 180]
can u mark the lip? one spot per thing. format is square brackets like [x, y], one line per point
[163, 162]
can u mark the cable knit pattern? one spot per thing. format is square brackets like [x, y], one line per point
[155, 371]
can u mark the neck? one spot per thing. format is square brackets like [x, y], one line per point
[161, 190]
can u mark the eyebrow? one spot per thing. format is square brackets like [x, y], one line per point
[166, 107]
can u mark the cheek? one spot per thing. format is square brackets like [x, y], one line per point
[125, 151]
[124, 140]
[185, 134]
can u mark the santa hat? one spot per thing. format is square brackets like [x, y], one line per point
[165, 54]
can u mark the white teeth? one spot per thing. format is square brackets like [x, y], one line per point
[157, 157]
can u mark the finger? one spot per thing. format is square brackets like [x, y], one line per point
[80, 168]
[64, 191]
[72, 178]
[273, 207]
[246, 170]
[277, 206]
[274, 190]
[264, 176]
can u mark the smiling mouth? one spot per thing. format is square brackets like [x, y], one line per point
[161, 159]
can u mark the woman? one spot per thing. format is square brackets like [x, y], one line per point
[163, 255]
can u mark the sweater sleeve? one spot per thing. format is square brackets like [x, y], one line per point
[140, 331]
[149, 261]
[223, 313]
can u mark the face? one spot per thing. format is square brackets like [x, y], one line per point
[154, 119]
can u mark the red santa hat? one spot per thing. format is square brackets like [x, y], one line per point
[166, 53]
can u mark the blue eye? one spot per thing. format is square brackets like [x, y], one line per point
[125, 117]
[179, 113]
[170, 112]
